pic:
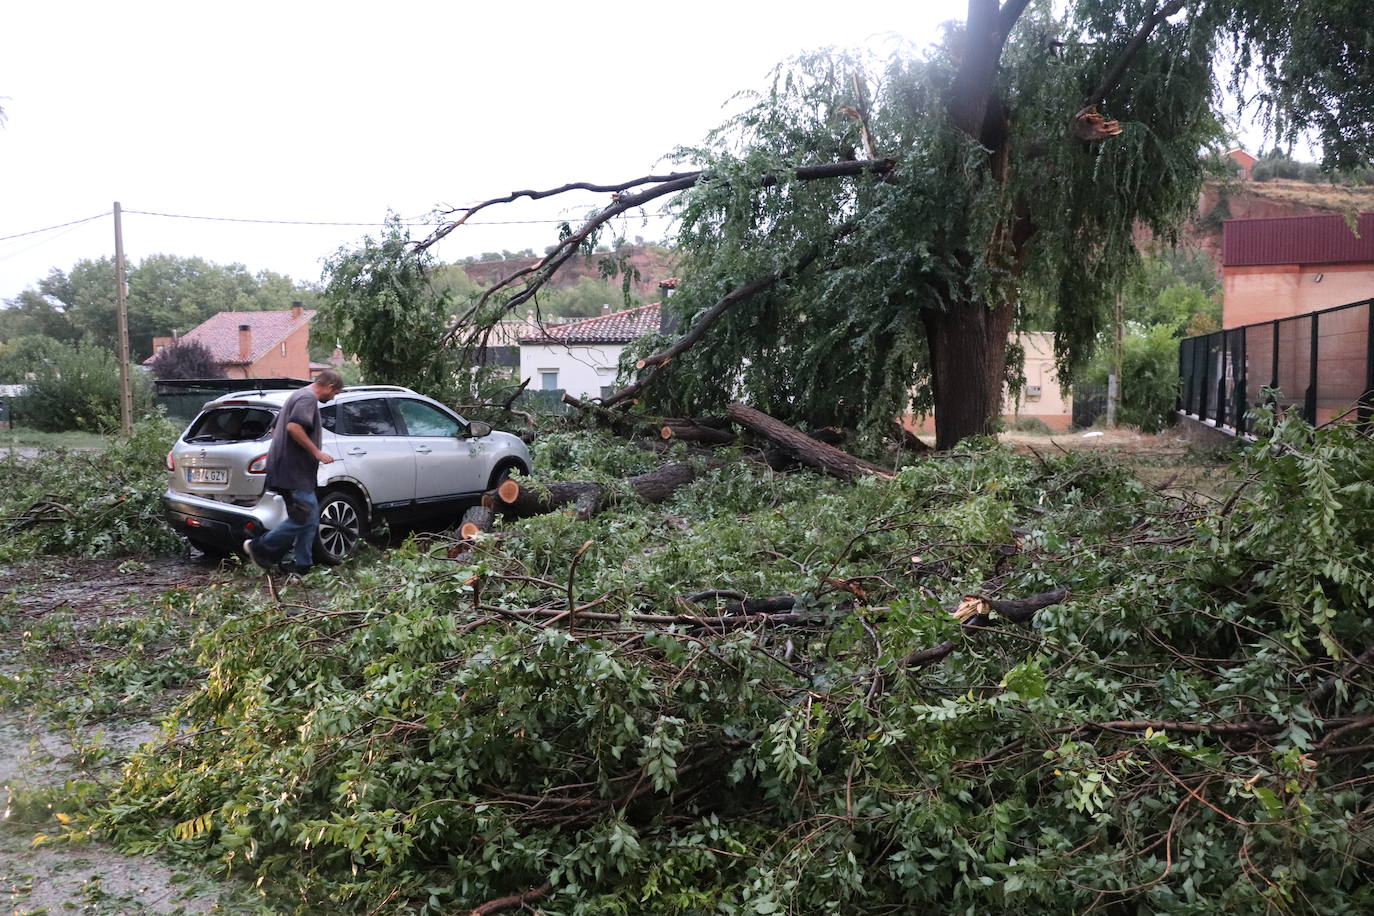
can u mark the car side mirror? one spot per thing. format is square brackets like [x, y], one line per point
[477, 429]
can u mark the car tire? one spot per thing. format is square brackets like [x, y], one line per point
[343, 525]
[502, 473]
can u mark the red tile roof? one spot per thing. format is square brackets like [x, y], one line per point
[220, 333]
[1296, 240]
[617, 327]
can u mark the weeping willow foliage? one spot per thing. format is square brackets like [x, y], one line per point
[1044, 222]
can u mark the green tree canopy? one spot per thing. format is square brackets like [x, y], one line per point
[166, 293]
[866, 231]
[382, 302]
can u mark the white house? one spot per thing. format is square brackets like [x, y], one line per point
[583, 357]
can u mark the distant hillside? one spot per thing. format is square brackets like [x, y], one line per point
[654, 264]
[1268, 199]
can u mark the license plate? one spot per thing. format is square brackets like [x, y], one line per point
[207, 475]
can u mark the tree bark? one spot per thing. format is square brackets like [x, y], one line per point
[968, 363]
[687, 430]
[517, 500]
[818, 455]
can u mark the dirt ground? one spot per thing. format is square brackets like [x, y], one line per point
[1164, 460]
[40, 753]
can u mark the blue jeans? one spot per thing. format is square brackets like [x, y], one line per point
[274, 544]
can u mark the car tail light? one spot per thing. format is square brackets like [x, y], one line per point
[258, 465]
[171, 462]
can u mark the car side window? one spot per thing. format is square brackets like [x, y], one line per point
[329, 417]
[423, 419]
[366, 418]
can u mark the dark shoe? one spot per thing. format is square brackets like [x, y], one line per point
[248, 552]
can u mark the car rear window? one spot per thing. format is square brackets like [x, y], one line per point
[231, 424]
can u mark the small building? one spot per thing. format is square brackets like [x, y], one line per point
[1278, 268]
[254, 344]
[1245, 164]
[1042, 398]
[582, 358]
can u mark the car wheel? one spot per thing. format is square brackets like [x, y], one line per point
[342, 528]
[501, 474]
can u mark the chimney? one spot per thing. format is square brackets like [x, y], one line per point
[295, 310]
[605, 308]
[245, 342]
[667, 287]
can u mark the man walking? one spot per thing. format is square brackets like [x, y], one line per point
[293, 463]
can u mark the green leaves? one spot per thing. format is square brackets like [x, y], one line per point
[384, 305]
[416, 736]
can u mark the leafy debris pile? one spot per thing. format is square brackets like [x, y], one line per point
[758, 697]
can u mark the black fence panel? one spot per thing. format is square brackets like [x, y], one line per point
[1320, 364]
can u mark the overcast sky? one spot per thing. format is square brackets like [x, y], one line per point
[335, 112]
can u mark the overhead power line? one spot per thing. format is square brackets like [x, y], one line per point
[306, 222]
[75, 222]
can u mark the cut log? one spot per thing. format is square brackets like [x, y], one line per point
[514, 499]
[694, 431]
[476, 520]
[805, 449]
[659, 485]
[517, 500]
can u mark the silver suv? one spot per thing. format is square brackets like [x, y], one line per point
[400, 456]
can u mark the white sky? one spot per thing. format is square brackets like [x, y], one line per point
[296, 110]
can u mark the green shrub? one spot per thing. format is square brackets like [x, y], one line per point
[1149, 377]
[77, 387]
[102, 503]
[1035, 425]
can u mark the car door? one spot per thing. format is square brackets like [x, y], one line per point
[448, 464]
[375, 453]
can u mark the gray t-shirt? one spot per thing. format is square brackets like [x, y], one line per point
[290, 467]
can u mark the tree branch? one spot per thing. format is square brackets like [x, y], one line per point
[697, 331]
[541, 272]
[1011, 11]
[513, 901]
[1117, 69]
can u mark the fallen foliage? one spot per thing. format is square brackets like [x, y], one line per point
[592, 714]
[88, 503]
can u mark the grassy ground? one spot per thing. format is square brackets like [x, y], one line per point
[23, 437]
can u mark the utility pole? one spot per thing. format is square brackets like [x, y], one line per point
[1114, 376]
[126, 392]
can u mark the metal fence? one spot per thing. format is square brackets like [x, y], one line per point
[1321, 363]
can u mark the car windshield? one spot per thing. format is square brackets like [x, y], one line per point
[231, 424]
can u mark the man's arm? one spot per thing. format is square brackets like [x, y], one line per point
[302, 438]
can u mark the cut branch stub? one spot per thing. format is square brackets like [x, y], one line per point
[974, 612]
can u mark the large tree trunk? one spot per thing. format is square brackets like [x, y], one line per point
[968, 362]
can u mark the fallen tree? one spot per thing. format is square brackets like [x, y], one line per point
[804, 448]
[723, 704]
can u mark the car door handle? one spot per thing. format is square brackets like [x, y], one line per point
[423, 449]
[356, 451]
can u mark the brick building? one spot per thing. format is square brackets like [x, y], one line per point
[254, 344]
